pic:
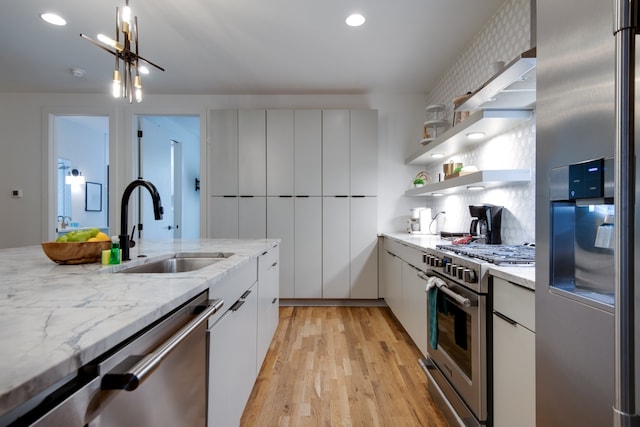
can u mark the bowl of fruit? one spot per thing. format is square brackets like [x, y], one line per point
[77, 247]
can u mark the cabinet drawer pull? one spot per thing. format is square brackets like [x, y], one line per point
[274, 264]
[236, 305]
[505, 318]
[246, 294]
[274, 301]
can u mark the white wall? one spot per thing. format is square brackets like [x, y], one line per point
[22, 163]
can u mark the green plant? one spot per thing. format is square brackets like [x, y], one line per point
[418, 181]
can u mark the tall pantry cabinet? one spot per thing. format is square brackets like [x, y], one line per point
[318, 193]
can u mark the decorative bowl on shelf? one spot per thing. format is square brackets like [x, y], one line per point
[75, 252]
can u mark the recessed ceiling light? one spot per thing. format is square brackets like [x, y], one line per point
[475, 135]
[475, 187]
[437, 155]
[355, 20]
[53, 19]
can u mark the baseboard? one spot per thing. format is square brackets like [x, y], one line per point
[333, 302]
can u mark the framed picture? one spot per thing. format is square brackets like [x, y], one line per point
[93, 197]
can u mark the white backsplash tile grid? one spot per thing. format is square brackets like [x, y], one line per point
[502, 39]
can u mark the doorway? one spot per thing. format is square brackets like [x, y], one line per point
[82, 160]
[169, 157]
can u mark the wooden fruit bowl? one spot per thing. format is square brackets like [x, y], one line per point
[75, 252]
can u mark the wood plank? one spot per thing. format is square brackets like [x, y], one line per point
[341, 366]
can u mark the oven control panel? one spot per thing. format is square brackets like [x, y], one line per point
[461, 269]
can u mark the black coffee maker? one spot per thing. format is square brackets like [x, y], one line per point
[486, 222]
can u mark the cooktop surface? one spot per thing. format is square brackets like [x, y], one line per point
[496, 254]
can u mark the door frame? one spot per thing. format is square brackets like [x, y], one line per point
[134, 111]
[50, 162]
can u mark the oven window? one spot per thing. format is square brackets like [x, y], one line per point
[454, 333]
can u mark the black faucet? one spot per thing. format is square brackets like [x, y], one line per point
[157, 211]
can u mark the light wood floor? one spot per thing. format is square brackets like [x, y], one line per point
[341, 366]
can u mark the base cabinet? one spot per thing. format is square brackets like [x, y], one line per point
[514, 370]
[268, 302]
[404, 290]
[239, 336]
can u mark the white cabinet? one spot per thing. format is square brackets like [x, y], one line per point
[350, 152]
[414, 306]
[280, 225]
[222, 151]
[252, 217]
[335, 153]
[336, 256]
[404, 290]
[308, 152]
[514, 372]
[260, 158]
[363, 234]
[232, 360]
[391, 280]
[280, 158]
[364, 152]
[268, 301]
[252, 153]
[308, 247]
[223, 217]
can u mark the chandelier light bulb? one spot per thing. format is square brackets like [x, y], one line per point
[138, 86]
[126, 19]
[117, 84]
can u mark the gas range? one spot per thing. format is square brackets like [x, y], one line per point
[468, 265]
[495, 254]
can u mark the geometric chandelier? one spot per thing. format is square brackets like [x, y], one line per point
[128, 83]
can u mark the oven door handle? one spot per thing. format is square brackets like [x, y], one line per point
[444, 288]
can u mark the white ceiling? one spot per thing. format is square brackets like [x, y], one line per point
[243, 46]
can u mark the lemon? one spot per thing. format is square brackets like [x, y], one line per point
[100, 237]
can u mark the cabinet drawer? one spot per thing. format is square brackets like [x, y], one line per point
[410, 255]
[515, 302]
[267, 260]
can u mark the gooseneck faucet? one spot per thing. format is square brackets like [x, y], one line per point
[124, 229]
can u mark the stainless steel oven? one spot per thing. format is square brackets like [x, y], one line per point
[457, 349]
[458, 314]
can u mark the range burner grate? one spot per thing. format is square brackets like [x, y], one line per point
[496, 254]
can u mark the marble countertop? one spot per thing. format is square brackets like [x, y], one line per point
[56, 318]
[521, 275]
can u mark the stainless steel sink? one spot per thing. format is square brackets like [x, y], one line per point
[180, 263]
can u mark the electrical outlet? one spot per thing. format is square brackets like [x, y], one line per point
[16, 193]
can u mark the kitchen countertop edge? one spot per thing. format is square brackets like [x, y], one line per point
[520, 275]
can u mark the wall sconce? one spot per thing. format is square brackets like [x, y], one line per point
[74, 177]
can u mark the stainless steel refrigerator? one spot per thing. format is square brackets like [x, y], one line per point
[585, 210]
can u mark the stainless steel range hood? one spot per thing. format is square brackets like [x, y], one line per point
[514, 88]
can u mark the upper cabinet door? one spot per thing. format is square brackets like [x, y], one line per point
[364, 152]
[223, 152]
[335, 152]
[252, 153]
[280, 152]
[308, 152]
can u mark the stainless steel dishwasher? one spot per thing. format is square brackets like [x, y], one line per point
[155, 378]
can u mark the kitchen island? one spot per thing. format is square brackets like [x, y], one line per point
[57, 318]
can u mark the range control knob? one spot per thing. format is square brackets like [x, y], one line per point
[469, 276]
[460, 272]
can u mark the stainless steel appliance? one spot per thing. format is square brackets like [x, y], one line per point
[585, 320]
[459, 309]
[156, 378]
[486, 223]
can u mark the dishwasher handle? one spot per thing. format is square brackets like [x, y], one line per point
[135, 376]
